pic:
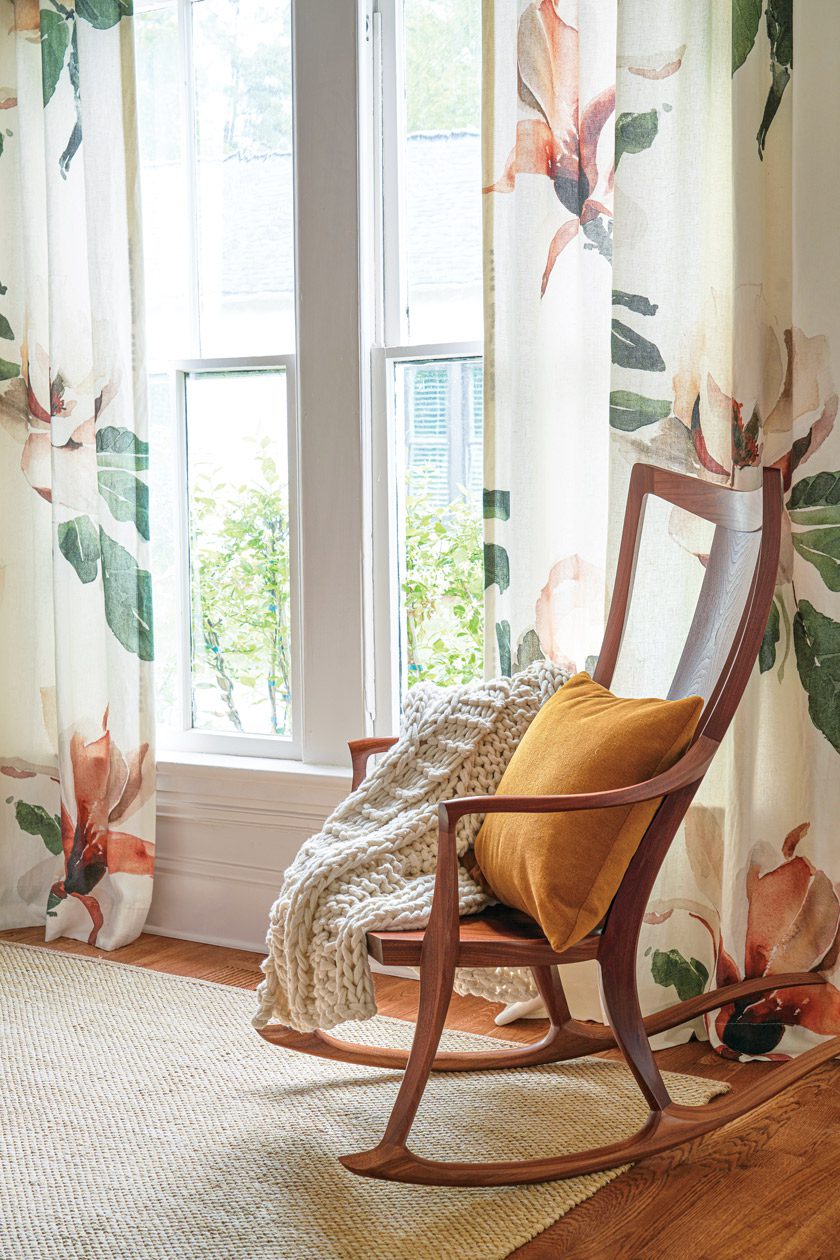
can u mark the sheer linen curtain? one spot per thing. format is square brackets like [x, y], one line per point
[708, 342]
[77, 814]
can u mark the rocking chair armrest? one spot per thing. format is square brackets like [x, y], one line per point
[688, 770]
[362, 749]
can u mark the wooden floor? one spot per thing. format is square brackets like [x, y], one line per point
[765, 1186]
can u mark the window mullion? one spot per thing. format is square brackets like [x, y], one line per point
[327, 40]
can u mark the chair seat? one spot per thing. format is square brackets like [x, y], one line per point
[498, 937]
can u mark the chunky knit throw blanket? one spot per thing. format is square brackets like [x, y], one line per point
[373, 864]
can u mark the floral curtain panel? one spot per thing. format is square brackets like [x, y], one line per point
[662, 286]
[77, 812]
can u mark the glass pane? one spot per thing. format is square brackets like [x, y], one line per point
[442, 581]
[243, 108]
[166, 251]
[443, 169]
[239, 552]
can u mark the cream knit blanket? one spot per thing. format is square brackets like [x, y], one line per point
[372, 866]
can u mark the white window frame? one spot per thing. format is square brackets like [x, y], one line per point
[345, 462]
[392, 345]
[186, 738]
[324, 381]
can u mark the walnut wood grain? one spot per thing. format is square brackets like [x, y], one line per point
[361, 750]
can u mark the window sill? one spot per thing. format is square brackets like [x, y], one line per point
[266, 789]
[228, 765]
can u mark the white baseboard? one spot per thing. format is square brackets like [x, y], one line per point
[225, 835]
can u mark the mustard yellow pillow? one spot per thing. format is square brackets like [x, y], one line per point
[564, 869]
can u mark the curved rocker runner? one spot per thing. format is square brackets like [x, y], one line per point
[719, 654]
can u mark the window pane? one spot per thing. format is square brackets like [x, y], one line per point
[166, 249]
[243, 115]
[239, 552]
[443, 169]
[442, 581]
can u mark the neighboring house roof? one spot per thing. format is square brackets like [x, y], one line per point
[443, 210]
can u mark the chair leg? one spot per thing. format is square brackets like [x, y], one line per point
[550, 988]
[436, 980]
[620, 994]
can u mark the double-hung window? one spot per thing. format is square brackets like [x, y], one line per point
[215, 110]
[427, 367]
[312, 250]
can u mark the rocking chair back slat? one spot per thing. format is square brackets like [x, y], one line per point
[726, 590]
[741, 536]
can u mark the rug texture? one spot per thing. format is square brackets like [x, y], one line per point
[144, 1119]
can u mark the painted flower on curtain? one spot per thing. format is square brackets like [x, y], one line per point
[107, 788]
[555, 136]
[572, 138]
[77, 463]
[793, 925]
[559, 138]
[767, 399]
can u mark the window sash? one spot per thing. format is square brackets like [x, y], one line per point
[186, 738]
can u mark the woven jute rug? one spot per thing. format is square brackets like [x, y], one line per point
[144, 1119]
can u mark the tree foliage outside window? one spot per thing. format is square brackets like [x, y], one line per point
[443, 65]
[442, 588]
[241, 613]
[242, 622]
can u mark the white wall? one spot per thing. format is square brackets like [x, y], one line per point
[227, 829]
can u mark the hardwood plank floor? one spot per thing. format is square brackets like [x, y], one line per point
[764, 1186]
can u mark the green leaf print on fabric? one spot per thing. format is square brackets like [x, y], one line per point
[55, 40]
[503, 640]
[128, 598]
[496, 567]
[72, 146]
[8, 371]
[127, 497]
[767, 651]
[6, 329]
[120, 448]
[746, 15]
[816, 639]
[497, 505]
[629, 411]
[815, 502]
[78, 542]
[35, 821]
[631, 350]
[688, 976]
[779, 18]
[821, 548]
[127, 588]
[634, 302]
[528, 650]
[635, 132]
[103, 14]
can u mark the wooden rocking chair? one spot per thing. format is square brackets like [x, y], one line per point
[720, 652]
